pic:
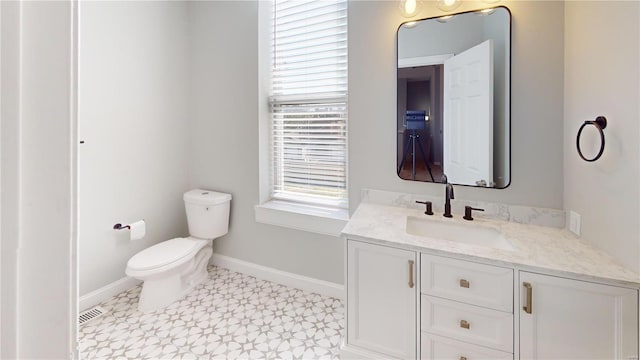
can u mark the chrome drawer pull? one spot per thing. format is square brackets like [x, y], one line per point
[464, 324]
[464, 283]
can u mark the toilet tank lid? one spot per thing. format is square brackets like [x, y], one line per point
[205, 197]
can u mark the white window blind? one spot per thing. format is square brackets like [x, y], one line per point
[308, 101]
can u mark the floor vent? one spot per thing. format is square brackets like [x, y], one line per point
[90, 314]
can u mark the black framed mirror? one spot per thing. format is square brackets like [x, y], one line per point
[454, 99]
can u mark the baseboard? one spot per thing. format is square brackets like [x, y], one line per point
[262, 272]
[106, 292]
[278, 276]
[348, 352]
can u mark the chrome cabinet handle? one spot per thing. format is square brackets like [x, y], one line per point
[528, 307]
[411, 274]
[464, 283]
[465, 324]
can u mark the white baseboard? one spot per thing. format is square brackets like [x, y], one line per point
[348, 352]
[262, 272]
[106, 292]
[281, 277]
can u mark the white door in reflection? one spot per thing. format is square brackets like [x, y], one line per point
[468, 116]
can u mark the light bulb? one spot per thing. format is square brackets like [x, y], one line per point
[448, 5]
[409, 8]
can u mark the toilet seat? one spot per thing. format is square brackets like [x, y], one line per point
[164, 255]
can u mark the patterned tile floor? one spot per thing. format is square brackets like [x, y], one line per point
[229, 316]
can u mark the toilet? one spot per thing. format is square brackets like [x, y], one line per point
[174, 267]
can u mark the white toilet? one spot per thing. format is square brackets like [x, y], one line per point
[172, 268]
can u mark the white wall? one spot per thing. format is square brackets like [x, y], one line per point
[133, 115]
[602, 78]
[224, 141]
[10, 150]
[38, 180]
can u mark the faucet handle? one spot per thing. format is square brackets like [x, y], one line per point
[428, 205]
[467, 212]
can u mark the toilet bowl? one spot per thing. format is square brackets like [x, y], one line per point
[172, 268]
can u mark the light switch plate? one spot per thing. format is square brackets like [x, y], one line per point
[574, 222]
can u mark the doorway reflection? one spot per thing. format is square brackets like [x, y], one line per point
[419, 150]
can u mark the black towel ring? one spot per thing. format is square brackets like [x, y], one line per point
[600, 123]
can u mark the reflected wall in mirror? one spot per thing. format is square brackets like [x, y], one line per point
[454, 99]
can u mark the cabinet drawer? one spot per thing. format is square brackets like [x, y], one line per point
[435, 347]
[468, 282]
[468, 323]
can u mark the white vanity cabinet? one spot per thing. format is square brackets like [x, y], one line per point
[569, 319]
[381, 300]
[450, 308]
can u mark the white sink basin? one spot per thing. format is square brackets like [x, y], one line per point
[461, 233]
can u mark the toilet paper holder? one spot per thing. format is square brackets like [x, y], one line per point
[119, 226]
[137, 230]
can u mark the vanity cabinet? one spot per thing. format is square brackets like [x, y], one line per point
[570, 319]
[381, 300]
[448, 308]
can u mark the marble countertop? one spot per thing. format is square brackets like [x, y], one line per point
[537, 248]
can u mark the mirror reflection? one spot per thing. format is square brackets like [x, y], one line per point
[454, 99]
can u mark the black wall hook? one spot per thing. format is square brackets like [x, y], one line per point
[600, 123]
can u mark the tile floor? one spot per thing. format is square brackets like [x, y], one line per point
[230, 316]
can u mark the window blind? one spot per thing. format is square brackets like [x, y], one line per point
[308, 101]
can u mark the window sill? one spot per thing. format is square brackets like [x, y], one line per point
[310, 218]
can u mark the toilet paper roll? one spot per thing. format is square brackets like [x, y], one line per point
[138, 230]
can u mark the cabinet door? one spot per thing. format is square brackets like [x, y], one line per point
[570, 319]
[381, 299]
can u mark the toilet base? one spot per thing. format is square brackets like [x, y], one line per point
[161, 291]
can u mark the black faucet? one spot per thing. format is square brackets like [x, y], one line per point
[448, 195]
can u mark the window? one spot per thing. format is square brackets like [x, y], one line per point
[308, 102]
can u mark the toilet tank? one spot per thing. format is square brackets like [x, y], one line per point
[207, 213]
